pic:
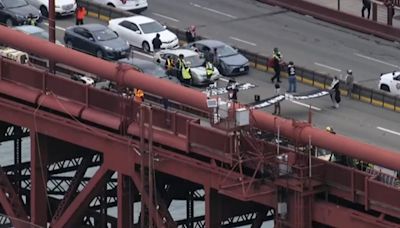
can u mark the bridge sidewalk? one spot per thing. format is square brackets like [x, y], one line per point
[354, 7]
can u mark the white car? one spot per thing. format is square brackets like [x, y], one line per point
[63, 7]
[197, 65]
[390, 82]
[140, 31]
[129, 5]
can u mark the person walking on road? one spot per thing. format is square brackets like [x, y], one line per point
[80, 15]
[366, 6]
[335, 92]
[292, 77]
[349, 82]
[156, 43]
[277, 105]
[277, 59]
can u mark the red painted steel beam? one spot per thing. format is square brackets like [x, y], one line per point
[128, 77]
[338, 216]
[125, 201]
[39, 200]
[11, 202]
[80, 204]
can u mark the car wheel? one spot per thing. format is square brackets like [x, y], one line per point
[146, 47]
[44, 11]
[9, 22]
[385, 88]
[69, 44]
[99, 54]
[110, 5]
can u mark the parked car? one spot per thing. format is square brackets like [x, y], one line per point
[136, 6]
[97, 40]
[140, 31]
[16, 12]
[230, 61]
[35, 31]
[62, 7]
[390, 82]
[149, 68]
[197, 65]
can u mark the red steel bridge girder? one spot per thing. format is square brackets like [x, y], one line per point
[122, 157]
[127, 77]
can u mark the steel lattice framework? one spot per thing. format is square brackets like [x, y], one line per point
[147, 154]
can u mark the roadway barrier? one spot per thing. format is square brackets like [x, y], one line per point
[339, 18]
[309, 77]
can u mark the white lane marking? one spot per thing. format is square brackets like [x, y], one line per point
[213, 10]
[224, 79]
[306, 105]
[243, 41]
[57, 27]
[166, 17]
[388, 130]
[376, 60]
[329, 67]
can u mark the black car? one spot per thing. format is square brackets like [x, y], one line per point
[149, 68]
[229, 61]
[98, 40]
[16, 12]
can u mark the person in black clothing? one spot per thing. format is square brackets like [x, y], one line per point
[277, 58]
[232, 90]
[156, 43]
[366, 6]
[191, 34]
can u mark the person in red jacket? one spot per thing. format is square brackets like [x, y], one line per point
[80, 15]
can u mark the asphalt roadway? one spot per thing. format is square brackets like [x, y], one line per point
[357, 120]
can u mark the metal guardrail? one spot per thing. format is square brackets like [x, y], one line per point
[322, 81]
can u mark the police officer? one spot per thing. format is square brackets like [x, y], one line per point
[180, 65]
[169, 65]
[277, 59]
[209, 69]
[186, 74]
[31, 20]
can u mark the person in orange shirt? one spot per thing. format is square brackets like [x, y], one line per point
[139, 95]
[80, 15]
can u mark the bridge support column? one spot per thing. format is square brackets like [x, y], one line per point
[213, 208]
[125, 201]
[39, 199]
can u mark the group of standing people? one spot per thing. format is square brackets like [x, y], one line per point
[334, 89]
[367, 4]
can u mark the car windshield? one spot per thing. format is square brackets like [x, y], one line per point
[225, 51]
[152, 27]
[14, 3]
[155, 70]
[103, 35]
[195, 60]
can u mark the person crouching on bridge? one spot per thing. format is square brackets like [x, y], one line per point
[80, 15]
